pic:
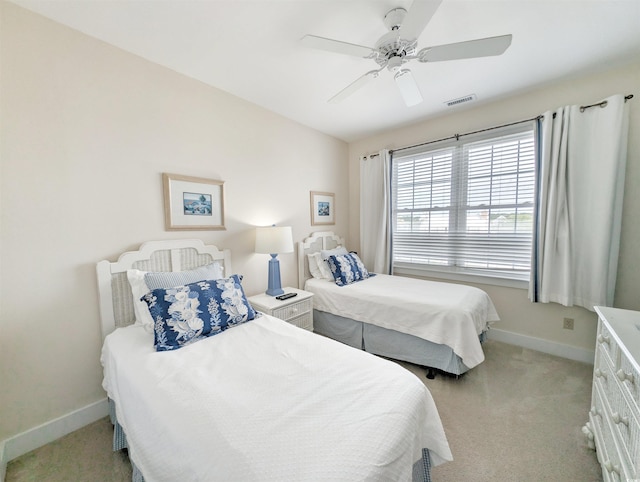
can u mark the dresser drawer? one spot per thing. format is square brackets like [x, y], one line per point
[294, 310]
[606, 343]
[606, 449]
[626, 427]
[630, 380]
[612, 466]
[596, 417]
[603, 371]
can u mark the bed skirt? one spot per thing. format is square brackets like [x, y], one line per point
[421, 469]
[389, 343]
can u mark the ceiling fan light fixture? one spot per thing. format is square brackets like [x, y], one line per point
[408, 87]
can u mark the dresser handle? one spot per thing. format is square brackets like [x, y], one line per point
[600, 374]
[603, 339]
[622, 376]
[618, 419]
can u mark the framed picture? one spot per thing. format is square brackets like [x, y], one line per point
[322, 208]
[192, 203]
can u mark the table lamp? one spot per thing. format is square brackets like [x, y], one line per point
[274, 240]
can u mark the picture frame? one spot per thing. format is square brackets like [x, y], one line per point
[322, 208]
[192, 203]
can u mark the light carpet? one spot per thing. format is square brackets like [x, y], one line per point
[516, 417]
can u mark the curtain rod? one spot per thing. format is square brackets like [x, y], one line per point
[603, 103]
[458, 136]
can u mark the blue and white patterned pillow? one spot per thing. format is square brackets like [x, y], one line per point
[188, 313]
[347, 269]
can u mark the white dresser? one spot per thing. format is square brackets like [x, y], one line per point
[614, 419]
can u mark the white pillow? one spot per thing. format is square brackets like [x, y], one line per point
[323, 266]
[169, 279]
[339, 251]
[318, 267]
[139, 289]
[313, 266]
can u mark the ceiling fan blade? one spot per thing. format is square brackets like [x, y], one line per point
[336, 46]
[354, 86]
[485, 47]
[408, 87]
[417, 18]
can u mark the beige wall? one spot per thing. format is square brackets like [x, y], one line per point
[87, 130]
[517, 314]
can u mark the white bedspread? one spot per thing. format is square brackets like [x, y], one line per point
[268, 401]
[444, 313]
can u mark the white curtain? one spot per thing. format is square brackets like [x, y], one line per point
[375, 233]
[580, 188]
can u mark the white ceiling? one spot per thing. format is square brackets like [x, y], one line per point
[251, 49]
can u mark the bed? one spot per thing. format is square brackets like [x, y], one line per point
[260, 400]
[437, 325]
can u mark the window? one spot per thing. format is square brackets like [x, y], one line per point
[466, 206]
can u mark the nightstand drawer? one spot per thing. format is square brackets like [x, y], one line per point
[304, 321]
[297, 310]
[293, 310]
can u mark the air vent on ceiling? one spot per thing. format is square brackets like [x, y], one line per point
[461, 100]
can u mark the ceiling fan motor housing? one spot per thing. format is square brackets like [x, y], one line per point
[391, 45]
[394, 18]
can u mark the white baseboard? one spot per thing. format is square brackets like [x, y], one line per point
[3, 463]
[545, 346]
[48, 432]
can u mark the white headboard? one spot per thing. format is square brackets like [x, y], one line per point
[314, 243]
[114, 291]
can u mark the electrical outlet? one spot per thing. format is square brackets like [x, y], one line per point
[567, 324]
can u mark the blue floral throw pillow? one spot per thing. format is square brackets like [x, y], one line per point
[185, 314]
[347, 269]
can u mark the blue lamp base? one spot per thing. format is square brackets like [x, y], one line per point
[274, 288]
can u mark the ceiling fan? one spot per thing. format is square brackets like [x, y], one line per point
[400, 45]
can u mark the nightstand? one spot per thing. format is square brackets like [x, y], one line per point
[297, 310]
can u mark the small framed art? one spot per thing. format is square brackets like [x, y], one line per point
[192, 203]
[322, 208]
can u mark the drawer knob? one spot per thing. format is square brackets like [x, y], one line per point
[611, 468]
[622, 376]
[603, 339]
[600, 374]
[618, 419]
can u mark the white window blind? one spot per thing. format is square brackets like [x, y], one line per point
[466, 206]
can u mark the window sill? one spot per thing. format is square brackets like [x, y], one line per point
[464, 277]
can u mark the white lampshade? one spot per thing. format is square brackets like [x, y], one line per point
[274, 240]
